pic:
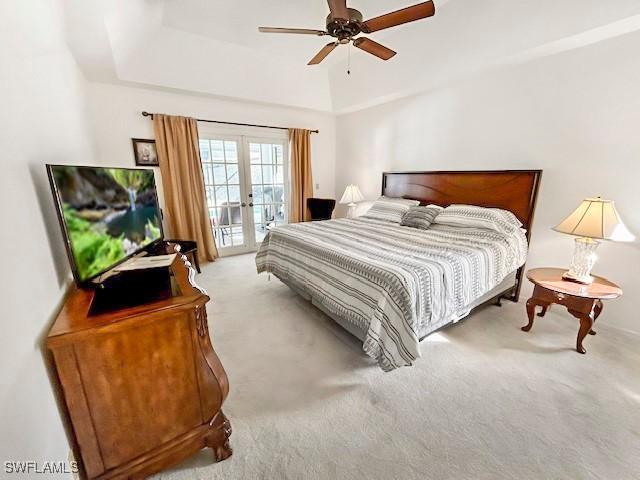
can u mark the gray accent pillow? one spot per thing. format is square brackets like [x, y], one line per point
[495, 219]
[420, 217]
[390, 209]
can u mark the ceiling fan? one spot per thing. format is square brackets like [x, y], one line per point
[345, 23]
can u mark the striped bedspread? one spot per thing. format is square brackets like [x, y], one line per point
[396, 283]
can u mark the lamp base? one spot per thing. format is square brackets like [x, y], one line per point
[352, 210]
[584, 258]
[568, 276]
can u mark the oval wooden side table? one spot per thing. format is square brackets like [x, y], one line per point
[582, 301]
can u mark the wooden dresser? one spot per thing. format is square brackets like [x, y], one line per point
[143, 386]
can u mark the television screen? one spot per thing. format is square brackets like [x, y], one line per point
[107, 215]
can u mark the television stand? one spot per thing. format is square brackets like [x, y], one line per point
[143, 387]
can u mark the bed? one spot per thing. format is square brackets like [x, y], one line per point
[390, 285]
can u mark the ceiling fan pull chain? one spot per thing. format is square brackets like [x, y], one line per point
[349, 59]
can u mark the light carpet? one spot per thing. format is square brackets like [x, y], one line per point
[485, 401]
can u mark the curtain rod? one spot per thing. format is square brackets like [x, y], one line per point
[147, 114]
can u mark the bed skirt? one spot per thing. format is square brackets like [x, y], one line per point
[503, 288]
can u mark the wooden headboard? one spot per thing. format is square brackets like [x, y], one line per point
[513, 190]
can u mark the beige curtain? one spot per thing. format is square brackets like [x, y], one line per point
[183, 183]
[301, 179]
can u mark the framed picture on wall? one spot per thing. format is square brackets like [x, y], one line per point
[145, 152]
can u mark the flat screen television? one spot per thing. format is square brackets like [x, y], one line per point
[107, 215]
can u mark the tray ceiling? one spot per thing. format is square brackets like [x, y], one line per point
[213, 46]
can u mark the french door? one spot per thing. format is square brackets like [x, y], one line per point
[247, 188]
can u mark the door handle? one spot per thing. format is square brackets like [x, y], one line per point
[251, 204]
[243, 204]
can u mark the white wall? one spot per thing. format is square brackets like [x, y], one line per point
[575, 115]
[42, 120]
[116, 118]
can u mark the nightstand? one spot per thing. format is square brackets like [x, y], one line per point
[582, 301]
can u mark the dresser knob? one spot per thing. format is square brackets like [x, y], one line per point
[561, 296]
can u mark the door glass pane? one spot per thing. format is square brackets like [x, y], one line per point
[267, 174]
[267, 153]
[210, 197]
[207, 171]
[260, 229]
[205, 153]
[254, 153]
[278, 213]
[236, 236]
[232, 175]
[234, 194]
[231, 152]
[257, 193]
[221, 195]
[219, 175]
[257, 214]
[217, 151]
[267, 194]
[256, 174]
[223, 216]
[268, 212]
[223, 237]
[235, 213]
[279, 174]
[278, 193]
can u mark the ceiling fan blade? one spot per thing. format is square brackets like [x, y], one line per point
[374, 48]
[339, 9]
[322, 54]
[303, 31]
[406, 15]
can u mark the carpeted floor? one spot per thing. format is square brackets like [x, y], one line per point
[485, 401]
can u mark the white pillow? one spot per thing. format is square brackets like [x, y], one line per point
[390, 209]
[479, 217]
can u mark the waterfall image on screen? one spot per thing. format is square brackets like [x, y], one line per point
[108, 214]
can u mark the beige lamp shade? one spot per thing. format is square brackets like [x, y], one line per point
[596, 218]
[351, 195]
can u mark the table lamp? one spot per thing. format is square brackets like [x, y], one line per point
[351, 196]
[595, 219]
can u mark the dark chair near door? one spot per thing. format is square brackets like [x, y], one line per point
[321, 208]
